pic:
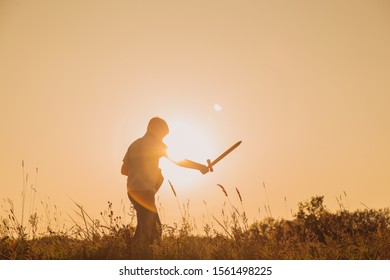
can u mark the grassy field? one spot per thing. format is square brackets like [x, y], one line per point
[313, 233]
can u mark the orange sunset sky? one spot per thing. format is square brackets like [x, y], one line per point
[304, 84]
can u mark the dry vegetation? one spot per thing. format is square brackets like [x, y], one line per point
[313, 233]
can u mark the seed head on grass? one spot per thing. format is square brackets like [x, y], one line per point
[223, 189]
[239, 195]
[172, 188]
[266, 196]
[285, 206]
[177, 200]
[346, 197]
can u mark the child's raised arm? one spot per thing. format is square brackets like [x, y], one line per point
[191, 164]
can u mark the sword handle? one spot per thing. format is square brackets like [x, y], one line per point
[209, 165]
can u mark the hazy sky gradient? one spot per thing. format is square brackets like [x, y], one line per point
[304, 84]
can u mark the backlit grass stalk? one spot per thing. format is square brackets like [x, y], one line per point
[23, 193]
[32, 193]
[90, 229]
[207, 228]
[285, 206]
[32, 215]
[340, 203]
[14, 223]
[177, 200]
[47, 213]
[223, 227]
[241, 216]
[346, 197]
[227, 196]
[368, 208]
[266, 196]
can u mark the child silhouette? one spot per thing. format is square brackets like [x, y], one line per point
[144, 178]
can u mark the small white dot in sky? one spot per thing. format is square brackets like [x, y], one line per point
[217, 107]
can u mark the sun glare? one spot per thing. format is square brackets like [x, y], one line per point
[185, 141]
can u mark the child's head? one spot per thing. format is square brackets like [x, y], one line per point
[158, 127]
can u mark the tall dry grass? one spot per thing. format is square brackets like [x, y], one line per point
[313, 232]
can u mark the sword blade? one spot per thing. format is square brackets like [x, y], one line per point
[228, 151]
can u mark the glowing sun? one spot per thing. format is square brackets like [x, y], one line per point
[185, 141]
